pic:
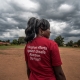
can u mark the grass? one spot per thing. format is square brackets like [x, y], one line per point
[22, 46]
[11, 46]
[71, 47]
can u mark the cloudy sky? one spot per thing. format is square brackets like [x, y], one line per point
[63, 15]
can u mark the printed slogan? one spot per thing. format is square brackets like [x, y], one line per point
[35, 52]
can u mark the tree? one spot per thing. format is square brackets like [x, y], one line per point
[78, 42]
[21, 40]
[8, 40]
[75, 43]
[59, 40]
[15, 41]
[70, 43]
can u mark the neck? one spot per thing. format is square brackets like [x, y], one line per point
[39, 35]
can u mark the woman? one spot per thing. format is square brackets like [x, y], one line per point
[41, 54]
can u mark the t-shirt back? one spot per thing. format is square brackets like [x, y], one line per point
[41, 54]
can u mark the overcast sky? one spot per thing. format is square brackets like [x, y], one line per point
[63, 15]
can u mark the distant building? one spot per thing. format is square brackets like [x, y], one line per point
[4, 43]
[75, 45]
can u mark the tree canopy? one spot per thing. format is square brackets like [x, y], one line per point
[78, 42]
[21, 40]
[70, 43]
[59, 40]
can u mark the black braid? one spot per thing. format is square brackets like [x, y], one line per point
[30, 30]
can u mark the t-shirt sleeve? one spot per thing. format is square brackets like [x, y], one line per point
[25, 53]
[55, 55]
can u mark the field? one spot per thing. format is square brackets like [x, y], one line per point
[13, 66]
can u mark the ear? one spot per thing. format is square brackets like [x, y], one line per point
[42, 32]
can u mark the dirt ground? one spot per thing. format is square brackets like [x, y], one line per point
[13, 66]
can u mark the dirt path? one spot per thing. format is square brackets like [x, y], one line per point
[13, 66]
[71, 63]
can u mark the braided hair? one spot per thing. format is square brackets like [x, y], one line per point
[33, 26]
[30, 30]
[44, 24]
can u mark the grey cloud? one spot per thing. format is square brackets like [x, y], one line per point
[49, 9]
[13, 13]
[67, 30]
[10, 38]
[71, 35]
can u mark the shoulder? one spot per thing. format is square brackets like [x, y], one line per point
[52, 42]
[52, 45]
[49, 42]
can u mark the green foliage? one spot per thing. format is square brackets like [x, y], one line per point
[11, 46]
[59, 40]
[21, 40]
[75, 43]
[70, 43]
[15, 41]
[5, 41]
[8, 40]
[78, 42]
